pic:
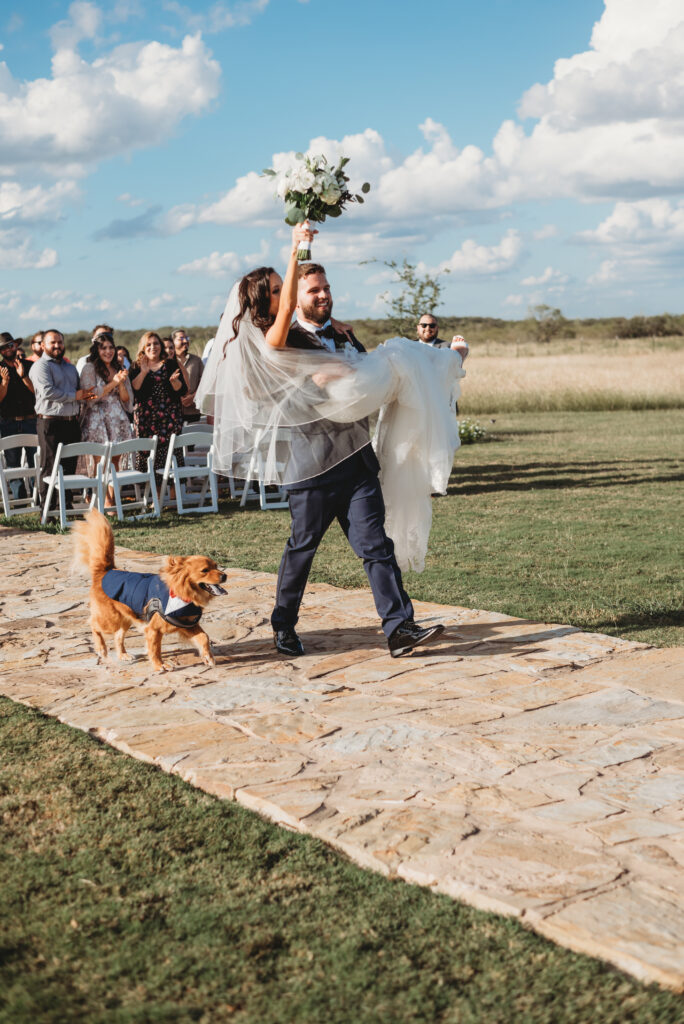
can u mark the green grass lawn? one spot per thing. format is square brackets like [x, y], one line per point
[127, 896]
[565, 517]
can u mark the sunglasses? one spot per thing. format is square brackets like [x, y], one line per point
[427, 325]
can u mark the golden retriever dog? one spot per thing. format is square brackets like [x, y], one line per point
[172, 601]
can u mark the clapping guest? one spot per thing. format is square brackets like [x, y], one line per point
[105, 417]
[158, 386]
[58, 394]
[192, 367]
[17, 405]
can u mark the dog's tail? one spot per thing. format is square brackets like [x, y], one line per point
[94, 544]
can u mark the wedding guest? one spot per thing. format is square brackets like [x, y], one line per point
[17, 406]
[123, 357]
[192, 367]
[168, 346]
[58, 394]
[96, 331]
[36, 347]
[158, 386]
[105, 418]
[427, 330]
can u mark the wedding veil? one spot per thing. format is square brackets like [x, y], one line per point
[269, 420]
[285, 415]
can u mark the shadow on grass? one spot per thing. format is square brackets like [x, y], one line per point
[533, 476]
[656, 619]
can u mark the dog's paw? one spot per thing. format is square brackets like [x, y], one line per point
[125, 656]
[209, 660]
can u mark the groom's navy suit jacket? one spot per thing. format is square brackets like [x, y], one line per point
[362, 462]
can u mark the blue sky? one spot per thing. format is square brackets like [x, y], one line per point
[534, 150]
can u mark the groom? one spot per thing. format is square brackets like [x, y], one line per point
[349, 492]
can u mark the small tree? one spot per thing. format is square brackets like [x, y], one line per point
[548, 322]
[420, 293]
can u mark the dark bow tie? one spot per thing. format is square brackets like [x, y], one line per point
[326, 332]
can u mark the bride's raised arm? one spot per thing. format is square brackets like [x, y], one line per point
[276, 335]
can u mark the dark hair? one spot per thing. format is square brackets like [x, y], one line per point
[305, 269]
[254, 295]
[95, 358]
[122, 348]
[103, 328]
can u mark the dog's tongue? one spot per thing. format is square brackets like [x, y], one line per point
[214, 589]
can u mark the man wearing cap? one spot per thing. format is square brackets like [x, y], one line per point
[17, 405]
[57, 404]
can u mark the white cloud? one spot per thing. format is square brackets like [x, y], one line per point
[607, 272]
[656, 223]
[217, 264]
[134, 96]
[37, 203]
[58, 305]
[84, 22]
[609, 124]
[547, 277]
[547, 231]
[220, 16]
[472, 258]
[17, 253]
[129, 200]
[513, 300]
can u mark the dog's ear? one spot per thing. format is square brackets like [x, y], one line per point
[173, 562]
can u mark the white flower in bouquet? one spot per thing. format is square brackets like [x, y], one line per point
[312, 190]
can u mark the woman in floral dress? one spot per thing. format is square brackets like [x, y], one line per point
[105, 418]
[158, 385]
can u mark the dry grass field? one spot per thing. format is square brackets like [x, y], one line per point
[582, 382]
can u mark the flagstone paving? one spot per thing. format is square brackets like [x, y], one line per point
[525, 768]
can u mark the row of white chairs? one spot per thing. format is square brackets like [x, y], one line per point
[195, 442]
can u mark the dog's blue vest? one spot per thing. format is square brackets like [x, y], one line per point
[145, 593]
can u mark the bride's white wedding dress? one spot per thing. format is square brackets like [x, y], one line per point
[305, 411]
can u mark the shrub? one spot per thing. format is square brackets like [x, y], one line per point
[470, 431]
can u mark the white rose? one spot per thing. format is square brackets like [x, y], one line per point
[283, 187]
[331, 194]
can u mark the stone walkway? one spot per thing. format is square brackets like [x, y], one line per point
[524, 768]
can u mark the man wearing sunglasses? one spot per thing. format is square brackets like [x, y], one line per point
[428, 330]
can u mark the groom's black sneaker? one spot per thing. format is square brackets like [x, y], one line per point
[287, 642]
[409, 635]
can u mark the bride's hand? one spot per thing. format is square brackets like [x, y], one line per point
[302, 233]
[341, 328]
[324, 377]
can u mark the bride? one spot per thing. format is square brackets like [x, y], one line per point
[286, 414]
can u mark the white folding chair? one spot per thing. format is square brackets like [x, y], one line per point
[29, 474]
[179, 475]
[276, 498]
[142, 481]
[198, 458]
[64, 482]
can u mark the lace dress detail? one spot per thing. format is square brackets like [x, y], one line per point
[103, 420]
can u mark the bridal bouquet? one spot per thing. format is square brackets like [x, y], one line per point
[312, 190]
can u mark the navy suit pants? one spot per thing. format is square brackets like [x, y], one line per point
[359, 508]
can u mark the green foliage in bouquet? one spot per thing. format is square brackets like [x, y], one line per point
[313, 189]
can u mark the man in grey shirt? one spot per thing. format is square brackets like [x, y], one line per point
[57, 404]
